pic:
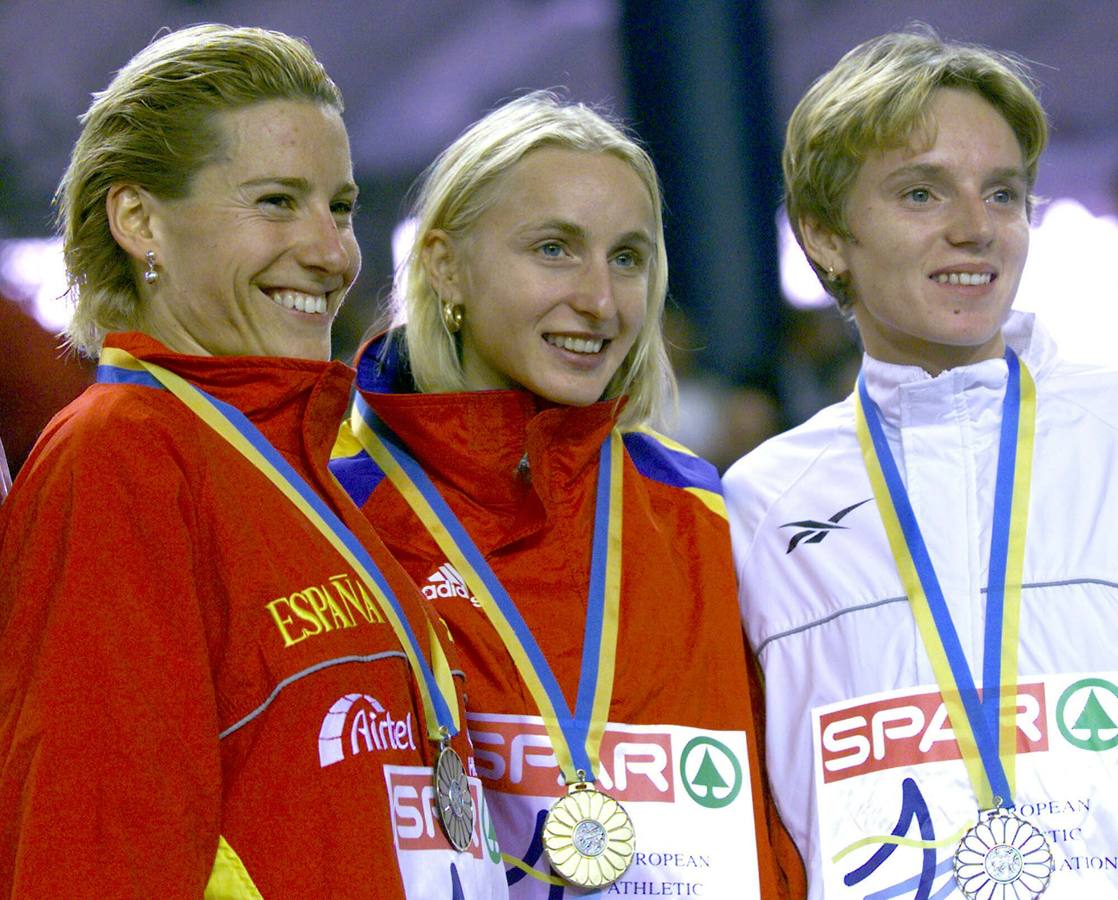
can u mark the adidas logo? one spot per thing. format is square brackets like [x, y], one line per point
[445, 582]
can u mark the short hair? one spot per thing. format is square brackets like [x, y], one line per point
[455, 191]
[876, 98]
[154, 126]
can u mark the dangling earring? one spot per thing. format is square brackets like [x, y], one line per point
[452, 316]
[150, 276]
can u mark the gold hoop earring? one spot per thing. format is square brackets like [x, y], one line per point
[452, 316]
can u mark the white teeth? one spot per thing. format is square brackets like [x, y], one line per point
[575, 344]
[965, 278]
[297, 300]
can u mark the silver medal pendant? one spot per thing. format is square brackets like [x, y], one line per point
[588, 837]
[453, 799]
[1003, 856]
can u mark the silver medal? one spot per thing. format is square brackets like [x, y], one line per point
[1003, 856]
[452, 796]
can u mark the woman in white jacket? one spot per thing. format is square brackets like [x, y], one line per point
[926, 569]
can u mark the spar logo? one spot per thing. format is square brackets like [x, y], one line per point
[909, 730]
[1086, 714]
[357, 723]
[415, 819]
[715, 779]
[515, 757]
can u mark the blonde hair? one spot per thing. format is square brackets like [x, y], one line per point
[876, 98]
[455, 192]
[154, 126]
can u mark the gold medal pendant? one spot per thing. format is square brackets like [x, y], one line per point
[1004, 855]
[452, 798]
[588, 837]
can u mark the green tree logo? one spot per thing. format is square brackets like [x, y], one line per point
[708, 785]
[489, 833]
[1093, 719]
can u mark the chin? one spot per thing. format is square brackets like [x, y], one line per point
[317, 350]
[570, 397]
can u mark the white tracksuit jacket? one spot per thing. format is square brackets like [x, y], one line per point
[858, 744]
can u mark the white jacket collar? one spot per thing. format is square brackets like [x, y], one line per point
[909, 395]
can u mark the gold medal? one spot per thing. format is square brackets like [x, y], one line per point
[588, 837]
[452, 798]
[1004, 855]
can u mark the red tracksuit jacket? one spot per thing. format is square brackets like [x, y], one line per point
[185, 663]
[521, 476]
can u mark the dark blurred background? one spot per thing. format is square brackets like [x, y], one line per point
[708, 86]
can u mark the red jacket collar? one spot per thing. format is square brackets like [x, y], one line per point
[296, 403]
[476, 441]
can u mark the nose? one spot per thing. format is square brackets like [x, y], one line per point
[322, 245]
[971, 222]
[594, 293]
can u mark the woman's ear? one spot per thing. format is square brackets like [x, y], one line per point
[823, 246]
[440, 260]
[130, 208]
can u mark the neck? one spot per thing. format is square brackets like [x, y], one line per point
[935, 358]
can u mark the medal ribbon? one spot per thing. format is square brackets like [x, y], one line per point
[576, 738]
[440, 706]
[985, 727]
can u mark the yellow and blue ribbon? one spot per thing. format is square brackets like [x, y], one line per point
[437, 691]
[984, 726]
[575, 737]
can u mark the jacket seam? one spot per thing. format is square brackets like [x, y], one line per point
[876, 603]
[310, 670]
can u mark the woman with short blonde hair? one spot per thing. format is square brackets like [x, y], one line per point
[876, 98]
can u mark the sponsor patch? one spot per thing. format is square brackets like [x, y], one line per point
[909, 729]
[516, 758]
[357, 724]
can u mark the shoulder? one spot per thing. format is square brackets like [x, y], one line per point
[667, 463]
[1070, 393]
[759, 479]
[1082, 391]
[117, 432]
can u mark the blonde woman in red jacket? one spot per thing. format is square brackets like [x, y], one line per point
[582, 561]
[213, 676]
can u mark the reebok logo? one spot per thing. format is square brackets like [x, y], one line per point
[813, 532]
[445, 582]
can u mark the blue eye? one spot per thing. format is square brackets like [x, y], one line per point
[1004, 196]
[919, 195]
[551, 249]
[628, 259]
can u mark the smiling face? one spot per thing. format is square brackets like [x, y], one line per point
[940, 233]
[553, 276]
[258, 256]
